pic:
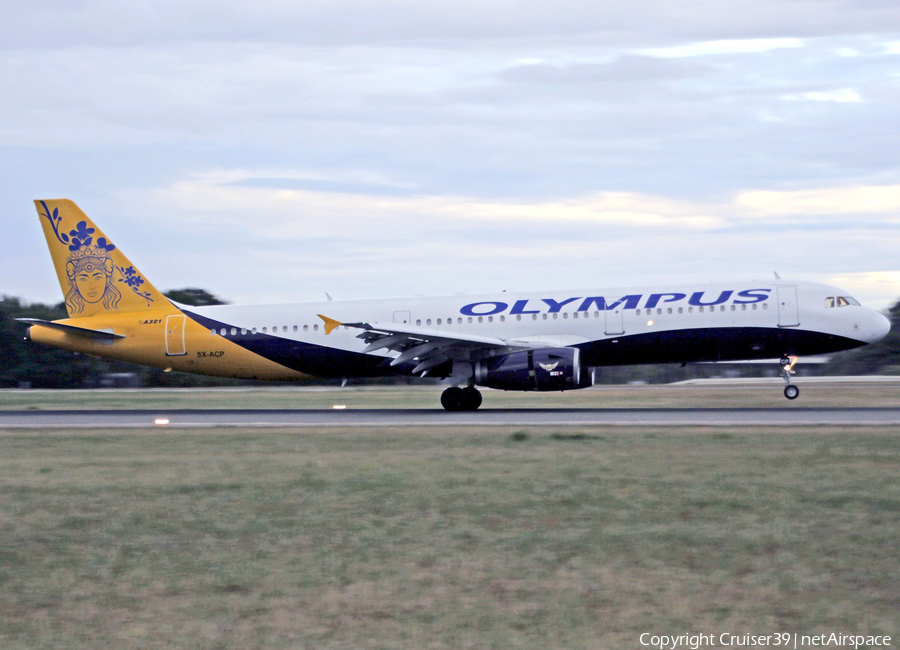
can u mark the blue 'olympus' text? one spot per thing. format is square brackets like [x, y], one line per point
[631, 301]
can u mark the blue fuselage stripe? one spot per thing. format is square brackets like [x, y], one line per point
[671, 346]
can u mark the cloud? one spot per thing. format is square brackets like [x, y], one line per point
[436, 147]
[839, 95]
[227, 192]
[458, 25]
[223, 196]
[280, 244]
[726, 47]
[369, 243]
[624, 69]
[882, 200]
[604, 117]
[284, 176]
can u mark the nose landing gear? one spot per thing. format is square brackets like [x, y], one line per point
[787, 369]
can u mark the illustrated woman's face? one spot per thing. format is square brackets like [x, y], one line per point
[91, 285]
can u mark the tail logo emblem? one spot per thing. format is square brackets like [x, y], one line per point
[90, 268]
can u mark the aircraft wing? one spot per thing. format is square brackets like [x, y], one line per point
[430, 348]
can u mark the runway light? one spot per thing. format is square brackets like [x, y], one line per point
[339, 407]
[160, 421]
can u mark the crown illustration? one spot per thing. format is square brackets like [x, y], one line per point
[85, 254]
[89, 258]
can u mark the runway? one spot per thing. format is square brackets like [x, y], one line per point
[731, 417]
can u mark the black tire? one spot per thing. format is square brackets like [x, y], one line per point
[791, 392]
[453, 399]
[471, 398]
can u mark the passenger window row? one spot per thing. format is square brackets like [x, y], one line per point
[234, 331]
[710, 308]
[502, 319]
[595, 314]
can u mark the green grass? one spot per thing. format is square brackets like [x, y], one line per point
[449, 538]
[848, 394]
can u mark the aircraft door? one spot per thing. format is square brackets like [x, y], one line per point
[788, 312]
[615, 321]
[402, 317]
[175, 335]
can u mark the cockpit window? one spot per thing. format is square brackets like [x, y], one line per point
[840, 301]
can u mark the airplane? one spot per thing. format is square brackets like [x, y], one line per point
[530, 341]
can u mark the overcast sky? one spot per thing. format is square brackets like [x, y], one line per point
[274, 151]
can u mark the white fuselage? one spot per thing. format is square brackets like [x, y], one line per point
[702, 322]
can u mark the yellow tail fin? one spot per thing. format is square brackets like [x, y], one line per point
[94, 275]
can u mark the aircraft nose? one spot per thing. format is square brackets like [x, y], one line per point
[879, 327]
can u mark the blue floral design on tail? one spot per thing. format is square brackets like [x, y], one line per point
[107, 246]
[134, 280]
[82, 238]
[54, 220]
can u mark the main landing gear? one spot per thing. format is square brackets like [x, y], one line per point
[787, 369]
[461, 399]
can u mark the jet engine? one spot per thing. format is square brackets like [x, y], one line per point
[541, 369]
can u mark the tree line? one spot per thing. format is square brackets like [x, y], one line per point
[24, 364]
[27, 364]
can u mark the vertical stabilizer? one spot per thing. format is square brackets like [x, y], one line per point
[95, 277]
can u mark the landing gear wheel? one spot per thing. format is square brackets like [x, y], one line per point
[453, 399]
[471, 398]
[787, 369]
[461, 399]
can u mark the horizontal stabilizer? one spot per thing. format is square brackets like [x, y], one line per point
[103, 335]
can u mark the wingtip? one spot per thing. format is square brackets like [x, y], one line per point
[330, 323]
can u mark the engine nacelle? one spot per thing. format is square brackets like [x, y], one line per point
[542, 369]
